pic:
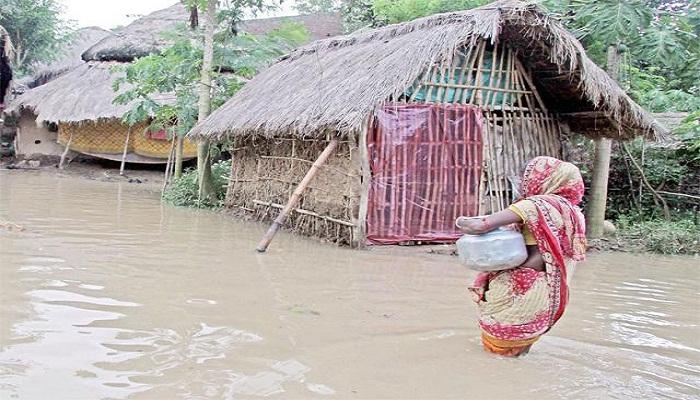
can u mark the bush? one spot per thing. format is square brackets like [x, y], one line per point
[185, 191]
[679, 236]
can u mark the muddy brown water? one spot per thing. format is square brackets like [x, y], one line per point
[109, 294]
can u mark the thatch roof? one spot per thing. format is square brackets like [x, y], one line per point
[320, 26]
[85, 93]
[671, 120]
[69, 55]
[334, 84]
[82, 94]
[144, 36]
[140, 38]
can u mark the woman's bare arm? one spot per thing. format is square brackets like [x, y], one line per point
[476, 226]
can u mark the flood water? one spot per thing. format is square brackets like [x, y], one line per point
[109, 294]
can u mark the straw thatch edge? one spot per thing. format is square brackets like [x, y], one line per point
[464, 28]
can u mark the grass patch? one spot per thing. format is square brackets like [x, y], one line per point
[678, 236]
[185, 191]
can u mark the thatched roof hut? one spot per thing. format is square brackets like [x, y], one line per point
[84, 96]
[335, 83]
[140, 38]
[143, 36]
[435, 117]
[69, 56]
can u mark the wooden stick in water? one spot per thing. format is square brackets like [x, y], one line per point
[294, 198]
[126, 148]
[65, 152]
[168, 166]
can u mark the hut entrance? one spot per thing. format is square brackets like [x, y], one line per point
[426, 164]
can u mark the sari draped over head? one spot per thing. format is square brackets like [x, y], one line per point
[517, 306]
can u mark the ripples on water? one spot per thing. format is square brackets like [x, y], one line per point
[109, 294]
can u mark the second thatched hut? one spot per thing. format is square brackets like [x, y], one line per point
[80, 103]
[435, 118]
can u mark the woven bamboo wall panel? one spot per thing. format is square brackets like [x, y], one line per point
[426, 162]
[106, 137]
[109, 137]
[266, 171]
[143, 145]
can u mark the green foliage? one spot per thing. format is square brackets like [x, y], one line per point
[689, 135]
[35, 29]
[185, 190]
[656, 38]
[175, 72]
[679, 236]
[359, 14]
[393, 11]
[674, 169]
[654, 92]
[611, 21]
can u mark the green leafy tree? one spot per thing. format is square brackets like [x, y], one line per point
[637, 37]
[654, 37]
[233, 12]
[358, 14]
[176, 72]
[393, 11]
[35, 28]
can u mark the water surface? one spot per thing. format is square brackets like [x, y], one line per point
[109, 294]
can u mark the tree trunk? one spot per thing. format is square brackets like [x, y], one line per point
[595, 208]
[206, 186]
[178, 156]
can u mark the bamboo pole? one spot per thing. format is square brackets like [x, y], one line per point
[305, 212]
[463, 76]
[168, 167]
[502, 54]
[126, 148]
[394, 161]
[506, 88]
[294, 198]
[403, 189]
[490, 93]
[442, 72]
[431, 84]
[477, 77]
[531, 84]
[65, 152]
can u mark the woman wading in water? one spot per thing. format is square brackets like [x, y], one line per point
[519, 305]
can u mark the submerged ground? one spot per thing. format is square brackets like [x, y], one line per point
[107, 293]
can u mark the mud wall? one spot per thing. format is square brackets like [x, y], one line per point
[34, 140]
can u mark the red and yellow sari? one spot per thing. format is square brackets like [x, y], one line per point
[517, 306]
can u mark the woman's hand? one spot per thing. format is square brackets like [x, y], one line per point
[472, 226]
[479, 225]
